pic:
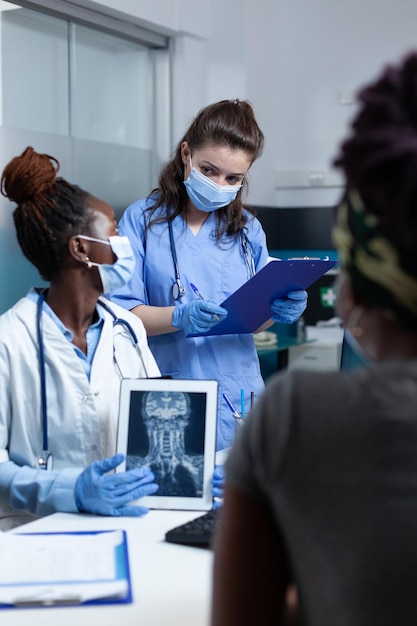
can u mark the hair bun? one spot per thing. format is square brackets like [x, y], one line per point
[29, 175]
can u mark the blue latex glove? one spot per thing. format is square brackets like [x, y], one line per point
[111, 494]
[217, 486]
[288, 310]
[198, 316]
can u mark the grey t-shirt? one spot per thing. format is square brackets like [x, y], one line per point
[335, 455]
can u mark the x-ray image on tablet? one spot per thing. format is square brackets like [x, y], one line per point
[170, 426]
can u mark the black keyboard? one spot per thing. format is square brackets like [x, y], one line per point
[196, 532]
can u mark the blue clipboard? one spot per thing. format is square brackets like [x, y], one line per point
[250, 306]
[122, 573]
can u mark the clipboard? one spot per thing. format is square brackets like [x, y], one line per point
[65, 575]
[250, 306]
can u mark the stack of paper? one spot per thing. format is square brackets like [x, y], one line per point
[45, 569]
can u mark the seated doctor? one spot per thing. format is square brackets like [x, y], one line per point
[62, 356]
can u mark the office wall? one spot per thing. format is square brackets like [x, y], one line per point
[298, 61]
[305, 59]
[169, 17]
[60, 93]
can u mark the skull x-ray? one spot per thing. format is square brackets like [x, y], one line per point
[166, 432]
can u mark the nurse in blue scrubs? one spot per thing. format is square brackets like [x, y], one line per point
[194, 230]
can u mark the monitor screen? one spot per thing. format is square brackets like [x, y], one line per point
[297, 228]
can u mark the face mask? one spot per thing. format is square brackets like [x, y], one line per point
[120, 272]
[356, 348]
[207, 195]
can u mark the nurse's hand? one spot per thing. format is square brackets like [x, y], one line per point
[217, 486]
[288, 310]
[111, 494]
[198, 316]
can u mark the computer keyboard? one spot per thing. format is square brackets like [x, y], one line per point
[196, 532]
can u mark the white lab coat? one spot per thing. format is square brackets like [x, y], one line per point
[82, 414]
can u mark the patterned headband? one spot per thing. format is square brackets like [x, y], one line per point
[381, 270]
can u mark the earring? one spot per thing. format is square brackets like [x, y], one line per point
[353, 322]
[88, 263]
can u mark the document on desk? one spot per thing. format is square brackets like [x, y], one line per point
[250, 306]
[49, 569]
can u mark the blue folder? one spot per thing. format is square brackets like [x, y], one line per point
[250, 306]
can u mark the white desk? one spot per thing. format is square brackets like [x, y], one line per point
[171, 584]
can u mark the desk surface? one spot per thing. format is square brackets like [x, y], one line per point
[171, 584]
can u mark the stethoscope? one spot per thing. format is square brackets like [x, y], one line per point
[46, 460]
[248, 253]
[177, 289]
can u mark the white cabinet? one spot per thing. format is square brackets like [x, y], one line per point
[318, 355]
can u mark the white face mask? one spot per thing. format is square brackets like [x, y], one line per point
[206, 194]
[121, 271]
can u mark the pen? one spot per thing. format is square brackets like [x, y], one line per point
[252, 399]
[235, 413]
[198, 294]
[242, 402]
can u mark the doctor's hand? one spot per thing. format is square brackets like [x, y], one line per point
[111, 494]
[198, 316]
[288, 310]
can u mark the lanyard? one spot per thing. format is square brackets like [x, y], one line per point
[46, 457]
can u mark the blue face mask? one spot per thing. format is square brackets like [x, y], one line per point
[121, 271]
[207, 195]
[356, 348]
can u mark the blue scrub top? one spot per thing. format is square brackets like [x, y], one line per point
[217, 269]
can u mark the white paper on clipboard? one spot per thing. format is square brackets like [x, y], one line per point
[45, 569]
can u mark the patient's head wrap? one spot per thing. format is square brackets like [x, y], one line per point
[382, 270]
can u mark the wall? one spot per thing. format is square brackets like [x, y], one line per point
[169, 17]
[297, 61]
[311, 54]
[69, 105]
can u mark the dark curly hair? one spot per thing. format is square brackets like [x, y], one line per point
[49, 209]
[379, 158]
[228, 123]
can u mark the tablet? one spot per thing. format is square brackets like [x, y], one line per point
[170, 426]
